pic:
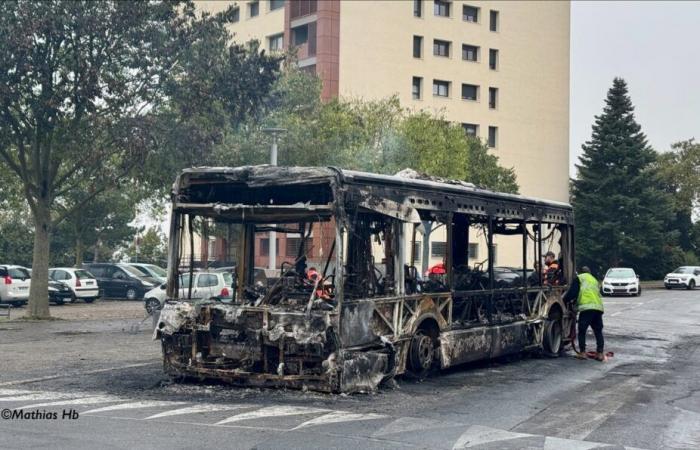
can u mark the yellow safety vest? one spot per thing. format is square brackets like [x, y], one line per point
[589, 293]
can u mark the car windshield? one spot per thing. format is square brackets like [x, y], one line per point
[142, 271]
[132, 271]
[83, 275]
[159, 271]
[688, 270]
[621, 273]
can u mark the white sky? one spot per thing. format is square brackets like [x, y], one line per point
[655, 47]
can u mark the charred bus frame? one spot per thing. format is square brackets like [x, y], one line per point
[373, 324]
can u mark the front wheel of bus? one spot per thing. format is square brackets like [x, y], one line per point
[421, 354]
[552, 339]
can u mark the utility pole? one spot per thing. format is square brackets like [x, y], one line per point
[275, 132]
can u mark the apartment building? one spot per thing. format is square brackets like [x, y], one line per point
[499, 68]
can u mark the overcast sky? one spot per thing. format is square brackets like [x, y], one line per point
[655, 46]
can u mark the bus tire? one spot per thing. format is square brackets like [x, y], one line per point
[553, 337]
[421, 354]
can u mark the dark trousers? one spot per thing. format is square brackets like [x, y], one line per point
[594, 319]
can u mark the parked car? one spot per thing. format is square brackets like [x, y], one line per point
[685, 277]
[120, 280]
[621, 281]
[209, 285]
[259, 273]
[59, 293]
[83, 284]
[151, 271]
[14, 284]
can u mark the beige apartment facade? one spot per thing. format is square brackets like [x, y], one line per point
[499, 68]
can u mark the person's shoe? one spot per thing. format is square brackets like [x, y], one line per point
[600, 357]
[580, 355]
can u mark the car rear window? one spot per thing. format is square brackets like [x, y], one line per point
[228, 278]
[16, 272]
[83, 274]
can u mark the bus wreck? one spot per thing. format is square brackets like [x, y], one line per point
[348, 306]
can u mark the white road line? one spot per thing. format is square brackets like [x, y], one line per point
[197, 409]
[87, 372]
[337, 417]
[555, 443]
[15, 391]
[133, 405]
[39, 396]
[273, 411]
[413, 424]
[478, 435]
[79, 401]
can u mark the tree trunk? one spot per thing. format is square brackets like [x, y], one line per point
[39, 290]
[78, 251]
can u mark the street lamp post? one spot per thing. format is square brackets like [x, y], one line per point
[275, 132]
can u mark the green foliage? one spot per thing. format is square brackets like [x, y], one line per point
[621, 213]
[376, 136]
[150, 247]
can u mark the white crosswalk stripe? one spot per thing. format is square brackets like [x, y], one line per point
[273, 411]
[38, 396]
[133, 405]
[337, 417]
[94, 400]
[196, 409]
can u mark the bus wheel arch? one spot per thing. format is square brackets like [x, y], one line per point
[423, 348]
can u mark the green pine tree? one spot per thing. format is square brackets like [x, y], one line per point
[621, 211]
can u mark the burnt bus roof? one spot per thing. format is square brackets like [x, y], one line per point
[317, 187]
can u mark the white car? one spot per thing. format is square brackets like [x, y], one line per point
[151, 271]
[621, 281]
[81, 282]
[14, 284]
[205, 285]
[684, 277]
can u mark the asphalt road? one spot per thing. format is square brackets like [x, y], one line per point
[108, 372]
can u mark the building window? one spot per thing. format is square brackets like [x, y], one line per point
[253, 9]
[493, 59]
[470, 52]
[470, 91]
[493, 137]
[473, 250]
[276, 42]
[418, 8]
[276, 4]
[438, 249]
[417, 46]
[441, 88]
[470, 13]
[416, 88]
[265, 246]
[416, 251]
[302, 8]
[493, 20]
[441, 48]
[471, 129]
[493, 97]
[236, 15]
[292, 246]
[441, 8]
[300, 35]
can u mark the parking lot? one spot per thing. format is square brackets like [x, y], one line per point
[100, 361]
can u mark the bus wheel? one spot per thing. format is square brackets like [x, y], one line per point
[421, 354]
[552, 339]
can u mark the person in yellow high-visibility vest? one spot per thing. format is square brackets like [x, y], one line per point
[586, 290]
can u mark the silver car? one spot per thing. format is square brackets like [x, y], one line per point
[14, 284]
[205, 286]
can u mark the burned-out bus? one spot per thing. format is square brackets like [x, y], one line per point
[354, 297]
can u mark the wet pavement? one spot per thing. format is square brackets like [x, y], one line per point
[108, 372]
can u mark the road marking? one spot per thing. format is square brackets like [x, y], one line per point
[78, 401]
[196, 409]
[273, 411]
[87, 372]
[413, 424]
[134, 405]
[38, 396]
[479, 435]
[15, 391]
[555, 443]
[337, 417]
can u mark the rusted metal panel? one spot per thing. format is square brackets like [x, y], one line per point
[462, 346]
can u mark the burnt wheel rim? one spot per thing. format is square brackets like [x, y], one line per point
[422, 353]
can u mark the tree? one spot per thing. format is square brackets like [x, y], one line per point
[149, 247]
[621, 214]
[84, 87]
